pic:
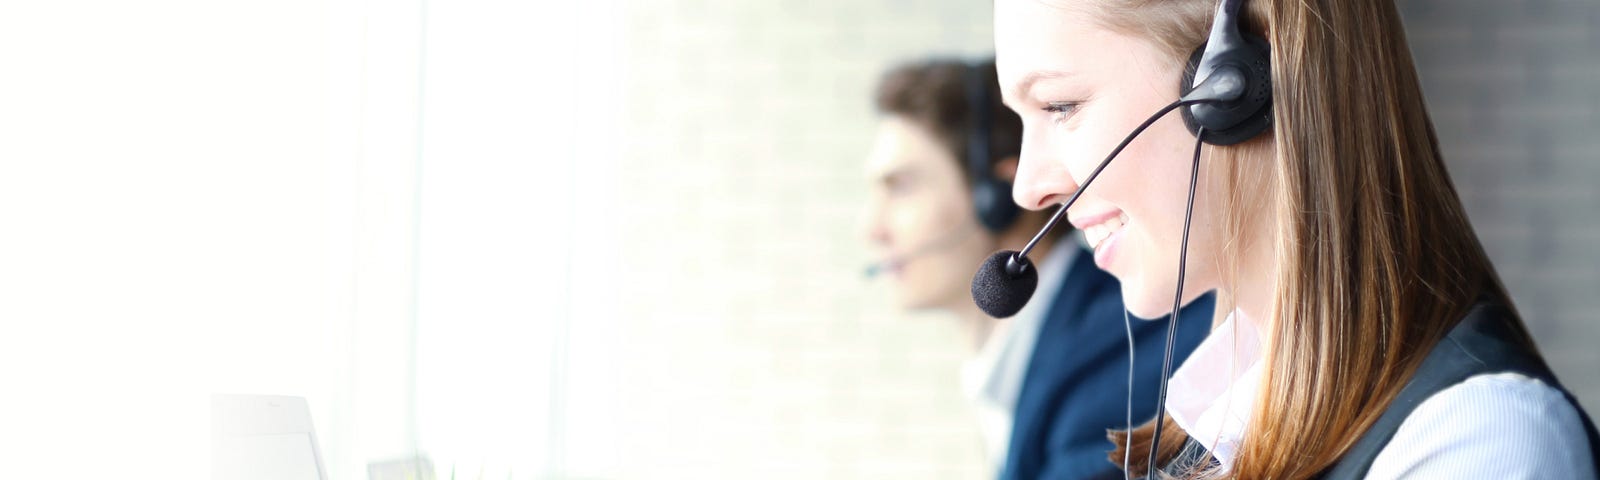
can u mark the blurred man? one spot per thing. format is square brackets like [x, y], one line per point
[1048, 382]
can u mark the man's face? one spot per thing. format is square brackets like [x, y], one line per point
[920, 217]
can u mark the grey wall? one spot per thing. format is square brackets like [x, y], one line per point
[1514, 88]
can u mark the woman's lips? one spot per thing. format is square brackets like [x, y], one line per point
[1102, 238]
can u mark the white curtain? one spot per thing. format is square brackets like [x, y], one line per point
[387, 207]
[520, 123]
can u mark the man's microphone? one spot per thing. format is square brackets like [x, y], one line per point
[1006, 280]
[942, 243]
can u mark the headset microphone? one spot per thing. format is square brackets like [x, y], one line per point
[939, 244]
[1006, 280]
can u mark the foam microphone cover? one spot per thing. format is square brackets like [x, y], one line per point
[1001, 293]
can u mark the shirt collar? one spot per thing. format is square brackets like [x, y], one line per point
[1212, 394]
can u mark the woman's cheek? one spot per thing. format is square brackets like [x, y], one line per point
[1081, 160]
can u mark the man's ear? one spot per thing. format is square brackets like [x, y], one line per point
[1006, 169]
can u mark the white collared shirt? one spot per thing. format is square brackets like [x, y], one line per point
[1500, 426]
[993, 378]
[1212, 394]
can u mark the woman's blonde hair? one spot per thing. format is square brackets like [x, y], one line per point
[1376, 260]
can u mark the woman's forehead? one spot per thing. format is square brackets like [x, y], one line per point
[1036, 41]
[1033, 38]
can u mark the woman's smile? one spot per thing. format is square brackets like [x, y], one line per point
[1102, 231]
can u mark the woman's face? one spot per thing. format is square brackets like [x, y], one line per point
[1080, 89]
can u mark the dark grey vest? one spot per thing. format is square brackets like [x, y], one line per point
[1478, 345]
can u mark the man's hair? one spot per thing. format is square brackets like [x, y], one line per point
[934, 95]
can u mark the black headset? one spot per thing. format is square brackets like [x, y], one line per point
[991, 196]
[1231, 103]
[1245, 106]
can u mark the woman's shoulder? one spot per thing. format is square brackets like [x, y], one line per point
[1493, 425]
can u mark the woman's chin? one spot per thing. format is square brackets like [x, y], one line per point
[1153, 306]
[1152, 314]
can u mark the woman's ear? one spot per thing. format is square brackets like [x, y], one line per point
[1006, 169]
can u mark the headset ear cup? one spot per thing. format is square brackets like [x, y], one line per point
[1245, 125]
[992, 198]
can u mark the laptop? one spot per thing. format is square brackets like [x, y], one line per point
[263, 437]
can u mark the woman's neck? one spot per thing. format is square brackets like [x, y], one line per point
[1255, 287]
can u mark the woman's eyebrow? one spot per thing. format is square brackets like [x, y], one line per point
[1026, 84]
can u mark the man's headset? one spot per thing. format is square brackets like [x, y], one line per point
[1227, 89]
[991, 195]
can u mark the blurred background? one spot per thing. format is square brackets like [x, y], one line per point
[606, 239]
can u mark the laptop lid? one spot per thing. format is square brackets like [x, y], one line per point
[263, 437]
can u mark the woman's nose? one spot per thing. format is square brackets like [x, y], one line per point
[1042, 180]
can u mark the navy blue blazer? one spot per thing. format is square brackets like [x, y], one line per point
[1077, 379]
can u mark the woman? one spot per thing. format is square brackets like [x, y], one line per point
[1335, 238]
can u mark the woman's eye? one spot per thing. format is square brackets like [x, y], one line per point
[1061, 111]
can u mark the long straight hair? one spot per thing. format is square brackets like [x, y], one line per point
[1376, 259]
